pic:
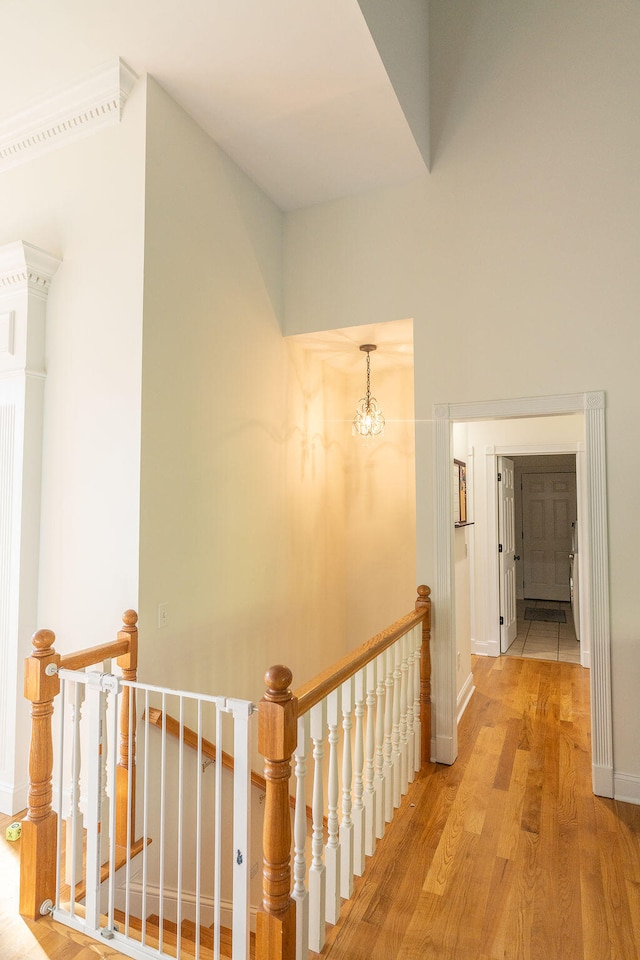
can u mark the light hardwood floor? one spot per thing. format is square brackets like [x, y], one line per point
[505, 855]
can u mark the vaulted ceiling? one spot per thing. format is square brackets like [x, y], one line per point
[314, 99]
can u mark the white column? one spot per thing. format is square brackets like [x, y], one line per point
[25, 277]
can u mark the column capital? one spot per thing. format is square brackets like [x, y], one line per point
[26, 273]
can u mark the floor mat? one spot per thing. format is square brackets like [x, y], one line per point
[541, 613]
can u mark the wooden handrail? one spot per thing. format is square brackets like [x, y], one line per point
[323, 683]
[277, 737]
[92, 655]
[190, 737]
[40, 826]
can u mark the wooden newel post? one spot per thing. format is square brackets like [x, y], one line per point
[126, 783]
[277, 737]
[424, 603]
[40, 827]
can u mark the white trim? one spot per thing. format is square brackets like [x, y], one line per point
[464, 696]
[24, 267]
[626, 787]
[25, 277]
[170, 901]
[444, 599]
[95, 102]
[444, 690]
[483, 648]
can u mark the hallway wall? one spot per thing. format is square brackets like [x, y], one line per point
[84, 203]
[524, 235]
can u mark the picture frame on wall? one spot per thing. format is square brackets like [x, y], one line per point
[459, 492]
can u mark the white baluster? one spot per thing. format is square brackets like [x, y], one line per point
[104, 801]
[75, 822]
[388, 736]
[95, 773]
[380, 718]
[300, 893]
[404, 742]
[411, 749]
[395, 737]
[346, 824]
[370, 767]
[317, 871]
[417, 726]
[332, 850]
[358, 813]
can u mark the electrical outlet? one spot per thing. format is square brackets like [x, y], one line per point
[163, 614]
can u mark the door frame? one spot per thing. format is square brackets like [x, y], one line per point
[595, 603]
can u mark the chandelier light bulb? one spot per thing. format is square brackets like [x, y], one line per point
[368, 421]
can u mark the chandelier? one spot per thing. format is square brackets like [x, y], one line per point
[368, 421]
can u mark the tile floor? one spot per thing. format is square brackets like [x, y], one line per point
[539, 640]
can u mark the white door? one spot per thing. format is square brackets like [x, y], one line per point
[548, 509]
[506, 550]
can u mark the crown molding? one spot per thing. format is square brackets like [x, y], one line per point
[69, 114]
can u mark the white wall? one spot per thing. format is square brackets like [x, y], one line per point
[316, 596]
[84, 203]
[212, 541]
[270, 533]
[516, 257]
[381, 497]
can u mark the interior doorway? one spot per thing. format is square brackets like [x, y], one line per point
[595, 581]
[545, 558]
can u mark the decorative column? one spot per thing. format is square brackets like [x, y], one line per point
[25, 277]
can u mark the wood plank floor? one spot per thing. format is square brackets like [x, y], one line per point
[507, 854]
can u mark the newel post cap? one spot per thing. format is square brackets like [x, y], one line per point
[39, 686]
[277, 715]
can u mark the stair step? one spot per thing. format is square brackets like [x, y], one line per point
[187, 938]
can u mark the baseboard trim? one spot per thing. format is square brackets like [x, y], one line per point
[170, 904]
[602, 781]
[13, 798]
[445, 752]
[626, 787]
[464, 696]
[485, 648]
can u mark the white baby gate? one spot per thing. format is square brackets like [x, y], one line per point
[174, 865]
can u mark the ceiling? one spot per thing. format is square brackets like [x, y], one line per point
[340, 349]
[294, 91]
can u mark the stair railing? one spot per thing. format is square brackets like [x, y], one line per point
[38, 853]
[188, 888]
[385, 687]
